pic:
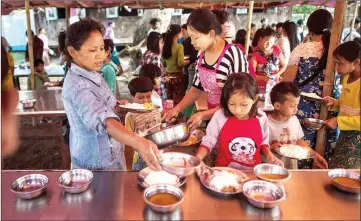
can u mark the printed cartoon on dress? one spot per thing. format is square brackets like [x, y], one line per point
[242, 151]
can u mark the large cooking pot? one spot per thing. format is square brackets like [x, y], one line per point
[170, 136]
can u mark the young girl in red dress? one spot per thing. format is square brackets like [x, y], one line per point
[239, 129]
[268, 59]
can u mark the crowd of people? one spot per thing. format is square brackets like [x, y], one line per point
[198, 57]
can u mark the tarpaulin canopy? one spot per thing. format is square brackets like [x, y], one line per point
[9, 5]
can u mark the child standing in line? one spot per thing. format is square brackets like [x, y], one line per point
[109, 70]
[284, 126]
[348, 146]
[153, 72]
[40, 75]
[141, 89]
[240, 129]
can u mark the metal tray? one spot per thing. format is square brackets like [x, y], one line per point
[144, 173]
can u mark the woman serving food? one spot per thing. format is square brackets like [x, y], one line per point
[216, 62]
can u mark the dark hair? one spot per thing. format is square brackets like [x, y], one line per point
[263, 20]
[357, 21]
[221, 15]
[349, 50]
[239, 82]
[241, 37]
[257, 36]
[184, 26]
[203, 20]
[150, 71]
[279, 25]
[108, 45]
[358, 40]
[140, 85]
[253, 25]
[163, 36]
[300, 21]
[168, 42]
[273, 25]
[291, 29]
[153, 42]
[154, 21]
[79, 32]
[61, 40]
[268, 32]
[110, 23]
[282, 89]
[38, 62]
[26, 33]
[320, 22]
[39, 30]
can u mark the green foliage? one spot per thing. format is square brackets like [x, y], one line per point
[303, 9]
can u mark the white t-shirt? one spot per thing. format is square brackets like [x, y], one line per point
[285, 132]
[346, 35]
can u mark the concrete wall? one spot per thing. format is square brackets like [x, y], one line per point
[126, 27]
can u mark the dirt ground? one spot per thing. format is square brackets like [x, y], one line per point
[40, 147]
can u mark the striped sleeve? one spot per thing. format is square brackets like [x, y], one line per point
[196, 81]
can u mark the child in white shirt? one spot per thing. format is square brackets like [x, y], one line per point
[284, 126]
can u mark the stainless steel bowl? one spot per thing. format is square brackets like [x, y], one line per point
[27, 104]
[292, 163]
[76, 181]
[163, 188]
[29, 186]
[260, 186]
[344, 173]
[313, 123]
[170, 136]
[266, 168]
[172, 162]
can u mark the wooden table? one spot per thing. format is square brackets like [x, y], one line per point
[116, 195]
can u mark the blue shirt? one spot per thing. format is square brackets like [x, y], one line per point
[114, 58]
[89, 102]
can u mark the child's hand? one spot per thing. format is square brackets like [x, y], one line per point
[320, 162]
[275, 145]
[49, 84]
[123, 102]
[331, 123]
[329, 101]
[276, 161]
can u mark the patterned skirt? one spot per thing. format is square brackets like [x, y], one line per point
[347, 151]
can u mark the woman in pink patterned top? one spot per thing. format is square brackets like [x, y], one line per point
[268, 60]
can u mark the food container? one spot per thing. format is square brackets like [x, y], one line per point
[29, 186]
[264, 169]
[163, 188]
[142, 175]
[76, 181]
[292, 163]
[28, 104]
[313, 123]
[270, 193]
[170, 136]
[344, 173]
[179, 164]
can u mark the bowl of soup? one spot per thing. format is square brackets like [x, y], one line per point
[263, 194]
[271, 172]
[163, 198]
[345, 180]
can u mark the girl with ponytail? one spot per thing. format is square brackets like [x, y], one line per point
[306, 68]
[173, 60]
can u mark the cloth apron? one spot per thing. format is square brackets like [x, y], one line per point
[208, 79]
[240, 144]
